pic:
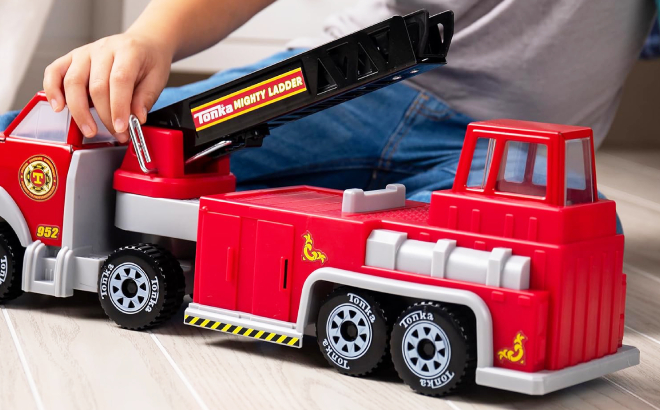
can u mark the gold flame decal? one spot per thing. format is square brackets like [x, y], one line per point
[517, 354]
[309, 253]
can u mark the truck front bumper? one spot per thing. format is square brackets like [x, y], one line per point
[547, 381]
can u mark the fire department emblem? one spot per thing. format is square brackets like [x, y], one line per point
[38, 178]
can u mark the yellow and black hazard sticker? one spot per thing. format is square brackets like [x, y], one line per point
[243, 331]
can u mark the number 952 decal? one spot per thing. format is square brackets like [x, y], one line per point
[48, 232]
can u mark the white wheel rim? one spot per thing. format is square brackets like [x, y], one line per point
[342, 317]
[427, 365]
[122, 280]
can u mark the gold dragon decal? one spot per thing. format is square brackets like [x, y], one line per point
[516, 354]
[309, 253]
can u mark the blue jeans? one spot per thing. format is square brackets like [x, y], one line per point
[394, 135]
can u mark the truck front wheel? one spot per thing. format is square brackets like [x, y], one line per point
[141, 286]
[11, 264]
[433, 348]
[352, 331]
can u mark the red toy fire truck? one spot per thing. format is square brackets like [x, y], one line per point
[510, 279]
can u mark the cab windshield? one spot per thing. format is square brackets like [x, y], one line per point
[523, 170]
[42, 123]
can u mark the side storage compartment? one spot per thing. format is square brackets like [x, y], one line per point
[218, 241]
[273, 270]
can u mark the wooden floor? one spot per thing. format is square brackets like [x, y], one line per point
[64, 353]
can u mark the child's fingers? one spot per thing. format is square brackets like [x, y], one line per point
[99, 86]
[122, 83]
[53, 77]
[147, 92]
[75, 88]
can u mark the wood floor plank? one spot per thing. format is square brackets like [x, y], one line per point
[632, 179]
[233, 371]
[596, 394]
[641, 227]
[649, 158]
[638, 204]
[643, 380]
[80, 360]
[15, 394]
[237, 372]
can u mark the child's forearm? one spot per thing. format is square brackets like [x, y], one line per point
[185, 27]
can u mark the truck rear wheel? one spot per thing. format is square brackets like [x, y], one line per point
[141, 286]
[352, 331]
[433, 348]
[11, 264]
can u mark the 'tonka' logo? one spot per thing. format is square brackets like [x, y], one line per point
[38, 178]
[4, 268]
[213, 113]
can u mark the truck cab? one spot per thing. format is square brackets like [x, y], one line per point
[546, 171]
[41, 144]
[56, 196]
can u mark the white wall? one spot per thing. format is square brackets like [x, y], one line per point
[70, 24]
[73, 23]
[265, 34]
[21, 26]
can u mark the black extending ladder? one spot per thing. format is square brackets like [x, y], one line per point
[240, 113]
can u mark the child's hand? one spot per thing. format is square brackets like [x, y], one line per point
[123, 74]
[126, 73]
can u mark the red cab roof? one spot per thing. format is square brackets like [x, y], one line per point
[508, 125]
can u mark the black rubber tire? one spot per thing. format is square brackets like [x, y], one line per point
[11, 264]
[376, 336]
[165, 293]
[419, 331]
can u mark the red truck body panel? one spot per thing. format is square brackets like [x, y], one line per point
[257, 248]
[171, 177]
[19, 154]
[248, 275]
[44, 214]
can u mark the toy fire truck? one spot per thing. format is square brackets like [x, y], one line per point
[511, 279]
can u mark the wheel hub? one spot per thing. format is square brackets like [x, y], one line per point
[349, 331]
[129, 288]
[426, 349]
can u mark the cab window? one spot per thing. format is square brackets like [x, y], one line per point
[481, 160]
[579, 187]
[102, 133]
[42, 123]
[524, 169]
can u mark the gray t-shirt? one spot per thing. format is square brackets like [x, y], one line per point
[559, 61]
